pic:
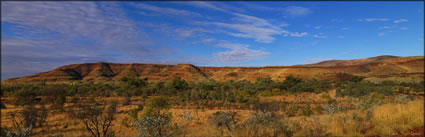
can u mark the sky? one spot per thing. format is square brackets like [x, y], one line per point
[40, 36]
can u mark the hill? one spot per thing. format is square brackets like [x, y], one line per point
[375, 68]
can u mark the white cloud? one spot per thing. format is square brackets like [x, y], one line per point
[166, 11]
[317, 27]
[389, 27]
[336, 20]
[207, 5]
[404, 28]
[222, 7]
[238, 53]
[373, 19]
[296, 34]
[381, 33]
[250, 27]
[284, 25]
[340, 37]
[400, 20]
[290, 10]
[315, 60]
[320, 36]
[70, 32]
[189, 32]
[297, 11]
[345, 28]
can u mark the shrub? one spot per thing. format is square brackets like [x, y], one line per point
[127, 100]
[332, 107]
[133, 81]
[177, 84]
[356, 89]
[290, 81]
[319, 109]
[24, 97]
[403, 99]
[33, 116]
[56, 96]
[293, 110]
[325, 97]
[348, 77]
[155, 126]
[385, 90]
[368, 102]
[306, 111]
[223, 120]
[263, 124]
[155, 105]
[2, 105]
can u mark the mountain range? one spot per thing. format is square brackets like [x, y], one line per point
[374, 68]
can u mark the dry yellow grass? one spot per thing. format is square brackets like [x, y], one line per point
[390, 119]
[387, 120]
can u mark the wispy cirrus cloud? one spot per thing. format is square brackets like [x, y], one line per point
[297, 34]
[297, 11]
[165, 11]
[320, 36]
[315, 60]
[250, 27]
[373, 19]
[208, 5]
[238, 53]
[288, 10]
[253, 27]
[222, 7]
[400, 20]
[70, 32]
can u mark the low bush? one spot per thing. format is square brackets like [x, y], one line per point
[223, 121]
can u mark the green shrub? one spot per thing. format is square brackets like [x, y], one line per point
[385, 90]
[2, 105]
[155, 105]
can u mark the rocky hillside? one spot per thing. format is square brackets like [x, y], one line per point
[375, 68]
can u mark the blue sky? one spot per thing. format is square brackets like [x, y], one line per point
[40, 36]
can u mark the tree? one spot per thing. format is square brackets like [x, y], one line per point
[155, 105]
[348, 77]
[97, 120]
[223, 120]
[134, 81]
[56, 96]
[264, 83]
[290, 81]
[177, 84]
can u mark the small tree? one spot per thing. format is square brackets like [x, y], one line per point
[155, 105]
[97, 120]
[177, 84]
[55, 96]
[223, 120]
[30, 117]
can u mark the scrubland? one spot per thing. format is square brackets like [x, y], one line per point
[349, 106]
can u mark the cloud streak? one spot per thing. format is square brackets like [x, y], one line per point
[400, 20]
[373, 19]
[238, 53]
[165, 11]
[60, 33]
